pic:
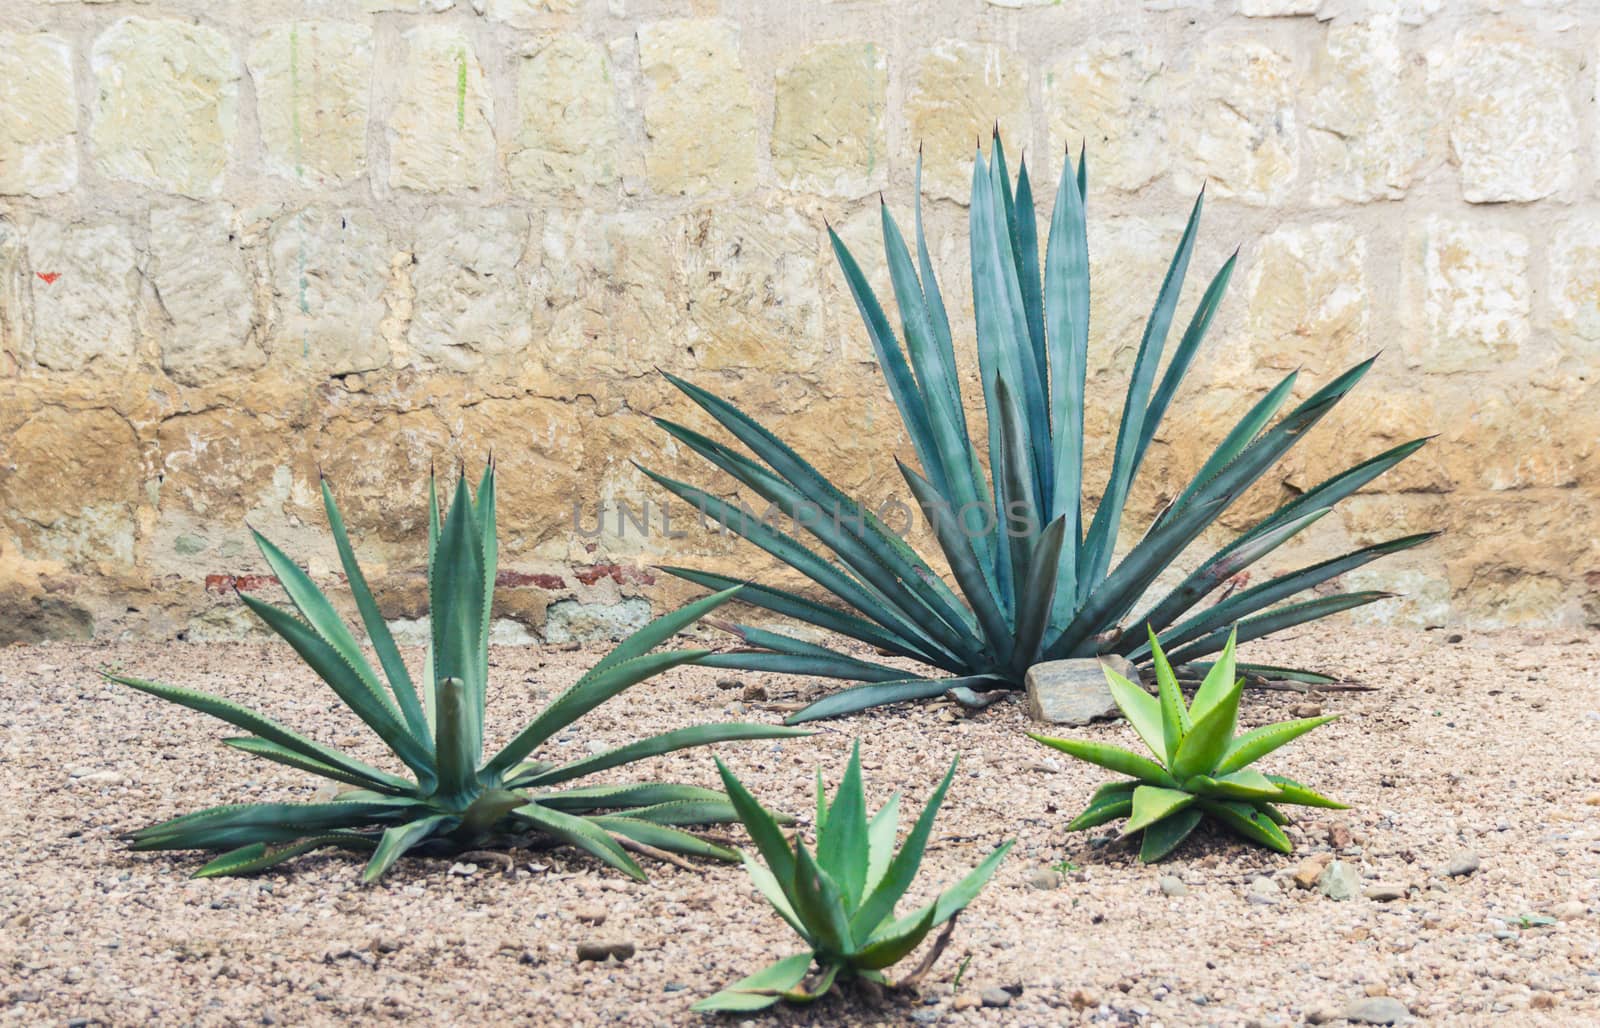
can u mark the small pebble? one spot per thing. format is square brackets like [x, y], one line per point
[754, 692]
[590, 915]
[1465, 862]
[1172, 885]
[1306, 710]
[1383, 892]
[1044, 879]
[1339, 881]
[1377, 1010]
[599, 951]
[729, 683]
[996, 998]
[1263, 892]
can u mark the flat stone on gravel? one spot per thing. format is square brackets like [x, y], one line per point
[1377, 1010]
[1074, 692]
[1384, 892]
[1339, 881]
[1464, 862]
[599, 951]
[1263, 892]
[1172, 885]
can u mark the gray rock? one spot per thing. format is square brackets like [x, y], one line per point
[1463, 863]
[1377, 1010]
[1383, 892]
[1074, 692]
[1172, 885]
[599, 950]
[1263, 892]
[1044, 879]
[1339, 881]
[996, 998]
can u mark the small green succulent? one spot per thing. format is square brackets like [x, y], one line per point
[453, 799]
[1200, 769]
[841, 901]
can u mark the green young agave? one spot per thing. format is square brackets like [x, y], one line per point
[453, 798]
[841, 901]
[1035, 574]
[1200, 769]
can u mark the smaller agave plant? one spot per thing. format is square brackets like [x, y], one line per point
[453, 799]
[841, 900]
[1200, 768]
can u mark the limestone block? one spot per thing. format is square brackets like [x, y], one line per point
[1512, 126]
[219, 466]
[525, 14]
[70, 482]
[1308, 298]
[569, 130]
[85, 287]
[38, 115]
[1471, 294]
[312, 82]
[330, 267]
[1371, 116]
[828, 118]
[1575, 286]
[165, 111]
[608, 299]
[751, 290]
[1074, 692]
[699, 118]
[472, 293]
[16, 312]
[1238, 130]
[207, 293]
[1107, 96]
[441, 131]
[959, 92]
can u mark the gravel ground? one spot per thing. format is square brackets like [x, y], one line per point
[1476, 751]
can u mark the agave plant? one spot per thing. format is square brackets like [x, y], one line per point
[1200, 768]
[1033, 573]
[452, 798]
[841, 900]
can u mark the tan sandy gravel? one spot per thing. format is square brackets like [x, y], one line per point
[1489, 744]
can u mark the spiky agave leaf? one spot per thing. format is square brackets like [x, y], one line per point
[840, 900]
[1017, 595]
[453, 797]
[1200, 767]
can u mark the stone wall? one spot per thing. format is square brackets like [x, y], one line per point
[243, 241]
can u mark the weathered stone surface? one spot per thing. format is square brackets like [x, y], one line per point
[84, 283]
[379, 465]
[166, 105]
[569, 130]
[207, 293]
[699, 119]
[1339, 881]
[568, 621]
[1308, 298]
[1470, 292]
[828, 120]
[472, 295]
[441, 131]
[608, 299]
[1239, 131]
[959, 92]
[1277, 8]
[1074, 692]
[1575, 285]
[69, 485]
[1370, 119]
[525, 14]
[312, 82]
[1512, 127]
[1108, 96]
[539, 451]
[217, 467]
[16, 320]
[750, 282]
[38, 115]
[330, 268]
